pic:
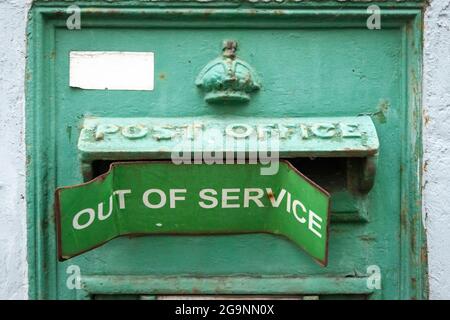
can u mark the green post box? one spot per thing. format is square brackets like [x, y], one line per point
[139, 82]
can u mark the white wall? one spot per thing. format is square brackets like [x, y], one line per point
[13, 265]
[437, 144]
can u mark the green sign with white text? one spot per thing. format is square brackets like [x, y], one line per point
[164, 198]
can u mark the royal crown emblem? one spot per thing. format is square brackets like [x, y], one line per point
[228, 78]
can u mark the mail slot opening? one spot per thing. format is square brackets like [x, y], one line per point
[352, 174]
[333, 174]
[330, 173]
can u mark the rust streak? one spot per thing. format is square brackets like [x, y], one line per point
[270, 196]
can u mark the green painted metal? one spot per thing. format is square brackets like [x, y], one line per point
[228, 79]
[313, 59]
[165, 198]
[243, 285]
[159, 138]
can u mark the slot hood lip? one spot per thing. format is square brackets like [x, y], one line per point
[111, 138]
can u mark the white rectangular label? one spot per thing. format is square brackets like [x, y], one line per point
[112, 70]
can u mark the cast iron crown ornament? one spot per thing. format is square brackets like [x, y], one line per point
[228, 78]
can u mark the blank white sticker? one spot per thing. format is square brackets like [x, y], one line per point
[112, 70]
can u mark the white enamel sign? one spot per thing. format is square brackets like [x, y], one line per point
[112, 70]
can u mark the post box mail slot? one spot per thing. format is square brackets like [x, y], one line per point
[328, 87]
[230, 140]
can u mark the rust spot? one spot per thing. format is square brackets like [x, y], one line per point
[413, 238]
[367, 237]
[425, 166]
[423, 254]
[426, 119]
[162, 76]
[383, 108]
[101, 177]
[208, 12]
[413, 283]
[403, 218]
[270, 196]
